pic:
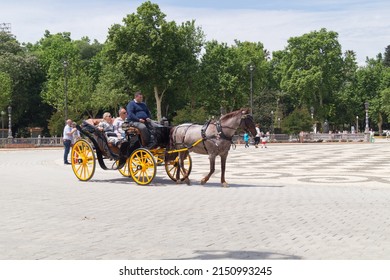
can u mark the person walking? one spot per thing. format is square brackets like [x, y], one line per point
[246, 139]
[257, 137]
[67, 139]
[264, 139]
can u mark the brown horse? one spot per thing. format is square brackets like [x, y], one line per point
[216, 138]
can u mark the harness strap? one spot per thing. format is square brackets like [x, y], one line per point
[221, 133]
[203, 134]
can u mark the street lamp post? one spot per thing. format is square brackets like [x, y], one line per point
[367, 129]
[357, 124]
[312, 117]
[9, 122]
[251, 69]
[65, 63]
[2, 123]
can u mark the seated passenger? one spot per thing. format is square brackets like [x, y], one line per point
[118, 123]
[107, 126]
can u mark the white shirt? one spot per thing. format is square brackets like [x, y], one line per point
[118, 127]
[258, 132]
[67, 133]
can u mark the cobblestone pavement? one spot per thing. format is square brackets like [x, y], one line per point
[289, 201]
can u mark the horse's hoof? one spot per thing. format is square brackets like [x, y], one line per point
[224, 185]
[188, 182]
[203, 181]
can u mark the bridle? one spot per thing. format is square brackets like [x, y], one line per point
[244, 118]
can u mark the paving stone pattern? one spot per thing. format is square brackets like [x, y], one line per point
[289, 201]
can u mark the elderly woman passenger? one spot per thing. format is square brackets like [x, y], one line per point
[107, 126]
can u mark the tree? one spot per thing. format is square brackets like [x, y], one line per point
[21, 82]
[224, 76]
[348, 101]
[299, 120]
[82, 75]
[386, 59]
[369, 89]
[154, 54]
[311, 68]
[5, 90]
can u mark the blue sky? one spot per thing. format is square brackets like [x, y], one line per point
[363, 26]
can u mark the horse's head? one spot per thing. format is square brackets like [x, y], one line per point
[247, 122]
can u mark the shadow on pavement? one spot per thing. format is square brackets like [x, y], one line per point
[162, 182]
[239, 255]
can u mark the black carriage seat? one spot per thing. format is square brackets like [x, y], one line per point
[131, 130]
[161, 134]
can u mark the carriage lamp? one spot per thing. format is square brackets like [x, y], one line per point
[9, 121]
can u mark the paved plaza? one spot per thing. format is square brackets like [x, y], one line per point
[289, 201]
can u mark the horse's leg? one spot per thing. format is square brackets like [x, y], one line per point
[212, 169]
[223, 168]
[178, 181]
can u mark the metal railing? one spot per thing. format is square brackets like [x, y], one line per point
[309, 138]
[31, 142]
[34, 142]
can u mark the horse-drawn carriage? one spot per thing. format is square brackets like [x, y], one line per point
[129, 157]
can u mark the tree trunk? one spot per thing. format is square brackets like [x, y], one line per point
[158, 98]
[380, 122]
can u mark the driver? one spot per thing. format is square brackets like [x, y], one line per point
[139, 114]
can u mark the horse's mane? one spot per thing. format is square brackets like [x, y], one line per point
[234, 114]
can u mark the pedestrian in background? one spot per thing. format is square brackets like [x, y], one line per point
[67, 139]
[75, 133]
[257, 137]
[264, 140]
[246, 139]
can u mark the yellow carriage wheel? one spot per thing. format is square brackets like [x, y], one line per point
[83, 160]
[142, 166]
[125, 171]
[172, 167]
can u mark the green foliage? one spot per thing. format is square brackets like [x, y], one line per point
[386, 59]
[5, 90]
[190, 115]
[81, 74]
[24, 74]
[311, 69]
[297, 121]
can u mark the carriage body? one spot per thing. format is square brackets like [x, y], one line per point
[130, 158]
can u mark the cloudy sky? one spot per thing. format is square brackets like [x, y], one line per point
[363, 26]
